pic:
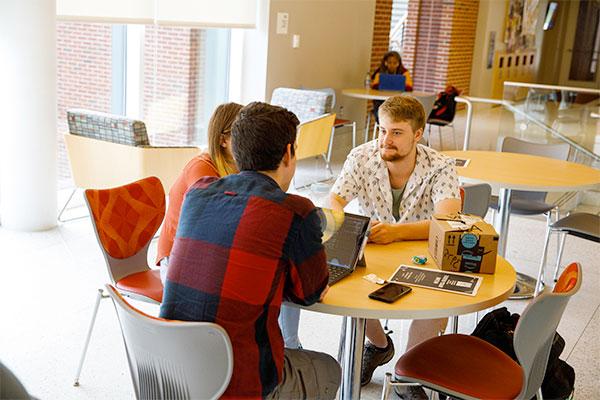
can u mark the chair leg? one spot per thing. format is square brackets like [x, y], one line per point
[327, 166]
[65, 208]
[540, 277]
[454, 136]
[561, 247]
[354, 134]
[367, 126]
[539, 395]
[340, 356]
[385, 391]
[328, 159]
[375, 130]
[99, 297]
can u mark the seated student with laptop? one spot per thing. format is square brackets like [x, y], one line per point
[391, 64]
[399, 184]
[243, 245]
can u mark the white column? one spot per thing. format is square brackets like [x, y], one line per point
[28, 177]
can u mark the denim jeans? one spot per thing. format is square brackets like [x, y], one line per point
[289, 319]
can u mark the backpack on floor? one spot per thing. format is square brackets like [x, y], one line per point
[497, 327]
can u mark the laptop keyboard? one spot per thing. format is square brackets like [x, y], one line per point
[337, 273]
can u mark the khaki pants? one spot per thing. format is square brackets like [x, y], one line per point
[308, 375]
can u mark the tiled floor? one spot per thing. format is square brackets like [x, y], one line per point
[49, 281]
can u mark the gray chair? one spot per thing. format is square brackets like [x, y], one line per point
[476, 199]
[524, 202]
[582, 225]
[460, 365]
[173, 359]
[532, 203]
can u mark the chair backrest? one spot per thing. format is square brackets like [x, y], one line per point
[313, 137]
[559, 151]
[107, 127]
[125, 219]
[173, 359]
[306, 104]
[476, 199]
[536, 328]
[330, 91]
[427, 102]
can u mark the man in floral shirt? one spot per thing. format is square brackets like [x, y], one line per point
[400, 184]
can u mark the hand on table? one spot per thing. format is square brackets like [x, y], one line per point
[382, 233]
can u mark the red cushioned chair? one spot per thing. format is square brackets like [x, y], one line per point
[125, 219]
[467, 367]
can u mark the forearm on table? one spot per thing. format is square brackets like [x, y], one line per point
[412, 230]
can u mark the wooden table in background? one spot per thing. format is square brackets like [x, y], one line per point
[374, 94]
[511, 171]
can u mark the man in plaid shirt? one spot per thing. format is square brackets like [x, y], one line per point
[242, 247]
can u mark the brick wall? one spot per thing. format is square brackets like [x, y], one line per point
[381, 37]
[84, 75]
[439, 42]
[464, 27]
[170, 72]
[172, 79]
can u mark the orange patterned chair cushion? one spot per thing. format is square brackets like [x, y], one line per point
[568, 279]
[127, 217]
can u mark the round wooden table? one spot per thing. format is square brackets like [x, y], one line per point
[349, 298]
[511, 171]
[374, 94]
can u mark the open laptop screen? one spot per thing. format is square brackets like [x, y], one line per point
[392, 82]
[343, 237]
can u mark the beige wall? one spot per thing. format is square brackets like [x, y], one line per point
[335, 48]
[490, 18]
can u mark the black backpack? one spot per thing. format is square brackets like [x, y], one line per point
[497, 327]
[444, 107]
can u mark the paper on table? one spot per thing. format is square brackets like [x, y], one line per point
[446, 281]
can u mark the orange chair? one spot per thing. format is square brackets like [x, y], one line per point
[125, 219]
[467, 367]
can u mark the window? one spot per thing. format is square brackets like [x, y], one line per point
[169, 77]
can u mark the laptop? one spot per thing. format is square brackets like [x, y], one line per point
[344, 244]
[392, 82]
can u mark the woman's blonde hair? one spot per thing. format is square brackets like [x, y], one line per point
[220, 124]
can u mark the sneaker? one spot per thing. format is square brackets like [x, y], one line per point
[373, 357]
[411, 392]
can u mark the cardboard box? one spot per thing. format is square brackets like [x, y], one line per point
[463, 243]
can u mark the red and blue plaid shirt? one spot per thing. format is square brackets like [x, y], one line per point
[242, 247]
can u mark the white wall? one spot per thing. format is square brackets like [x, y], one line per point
[335, 48]
[490, 18]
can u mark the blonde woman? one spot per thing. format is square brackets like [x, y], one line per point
[217, 162]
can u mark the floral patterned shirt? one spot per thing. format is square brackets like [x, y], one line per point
[365, 177]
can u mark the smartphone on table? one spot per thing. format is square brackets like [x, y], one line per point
[390, 292]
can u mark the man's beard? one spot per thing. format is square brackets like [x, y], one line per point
[392, 157]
